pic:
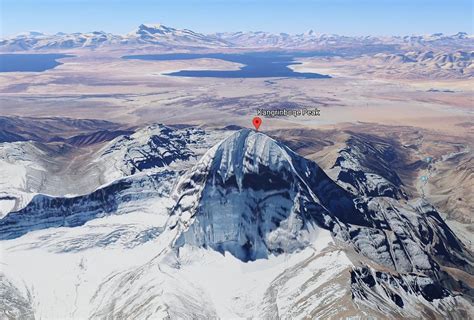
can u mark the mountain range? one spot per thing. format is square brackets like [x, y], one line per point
[160, 36]
[189, 223]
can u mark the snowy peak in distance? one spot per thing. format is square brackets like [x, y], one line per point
[148, 29]
[40, 41]
[154, 28]
[31, 34]
[160, 34]
[156, 35]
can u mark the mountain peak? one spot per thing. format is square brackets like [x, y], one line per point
[154, 26]
[151, 30]
[460, 35]
[247, 152]
[159, 34]
[252, 196]
[31, 34]
[248, 148]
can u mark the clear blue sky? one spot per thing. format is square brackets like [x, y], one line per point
[366, 17]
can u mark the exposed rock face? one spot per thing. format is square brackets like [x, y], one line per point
[157, 151]
[252, 196]
[359, 239]
[52, 212]
[365, 168]
[14, 304]
[156, 146]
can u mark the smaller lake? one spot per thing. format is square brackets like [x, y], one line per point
[256, 64]
[30, 62]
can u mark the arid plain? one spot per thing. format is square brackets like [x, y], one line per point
[137, 92]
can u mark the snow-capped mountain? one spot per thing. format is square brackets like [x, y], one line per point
[250, 230]
[307, 40]
[253, 197]
[155, 146]
[40, 41]
[314, 40]
[369, 176]
[157, 151]
[438, 39]
[145, 35]
[161, 36]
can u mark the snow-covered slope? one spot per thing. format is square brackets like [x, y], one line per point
[371, 175]
[253, 197]
[250, 230]
[21, 174]
[204, 284]
[315, 40]
[161, 36]
[145, 35]
[40, 41]
[155, 146]
[129, 168]
[120, 197]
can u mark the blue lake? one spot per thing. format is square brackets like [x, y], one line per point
[29, 62]
[256, 64]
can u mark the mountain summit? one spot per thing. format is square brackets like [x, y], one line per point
[159, 34]
[252, 196]
[251, 230]
[255, 201]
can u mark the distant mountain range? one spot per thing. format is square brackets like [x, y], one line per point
[160, 36]
[440, 64]
[311, 39]
[145, 34]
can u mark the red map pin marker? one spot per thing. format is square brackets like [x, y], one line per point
[257, 122]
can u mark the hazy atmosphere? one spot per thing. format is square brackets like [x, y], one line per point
[368, 17]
